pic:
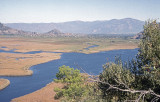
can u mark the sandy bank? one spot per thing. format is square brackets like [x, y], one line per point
[113, 47]
[45, 94]
[13, 64]
[4, 83]
[109, 48]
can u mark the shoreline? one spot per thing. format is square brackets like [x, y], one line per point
[29, 72]
[22, 66]
[99, 48]
[45, 94]
[36, 92]
[4, 83]
[109, 49]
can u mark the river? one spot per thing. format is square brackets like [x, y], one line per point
[44, 73]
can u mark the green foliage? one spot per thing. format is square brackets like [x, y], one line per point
[112, 71]
[117, 75]
[68, 75]
[149, 53]
[143, 74]
[149, 57]
[75, 86]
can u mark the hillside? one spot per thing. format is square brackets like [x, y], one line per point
[4, 30]
[114, 26]
[7, 30]
[56, 32]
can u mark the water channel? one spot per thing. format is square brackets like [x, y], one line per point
[44, 73]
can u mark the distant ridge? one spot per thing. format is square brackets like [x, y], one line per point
[4, 30]
[114, 26]
[7, 30]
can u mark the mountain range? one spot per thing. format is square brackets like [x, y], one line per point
[4, 30]
[114, 26]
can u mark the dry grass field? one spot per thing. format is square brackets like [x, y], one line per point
[12, 64]
[113, 47]
[45, 94]
[4, 83]
[66, 44]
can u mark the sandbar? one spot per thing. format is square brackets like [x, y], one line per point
[4, 83]
[45, 94]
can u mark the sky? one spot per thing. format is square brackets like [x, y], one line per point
[45, 11]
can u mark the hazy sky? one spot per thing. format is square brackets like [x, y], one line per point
[69, 10]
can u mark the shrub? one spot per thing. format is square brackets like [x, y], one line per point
[75, 87]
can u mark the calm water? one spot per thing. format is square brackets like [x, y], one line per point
[44, 73]
[91, 47]
[13, 51]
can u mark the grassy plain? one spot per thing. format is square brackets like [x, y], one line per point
[67, 44]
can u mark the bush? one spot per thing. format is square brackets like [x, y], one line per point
[75, 86]
[118, 76]
[140, 75]
[149, 52]
[116, 79]
[68, 75]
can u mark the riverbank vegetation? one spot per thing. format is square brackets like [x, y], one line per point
[69, 44]
[137, 80]
[17, 64]
[15, 61]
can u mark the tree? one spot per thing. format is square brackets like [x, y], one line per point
[149, 52]
[74, 84]
[142, 81]
[115, 75]
[118, 83]
[68, 75]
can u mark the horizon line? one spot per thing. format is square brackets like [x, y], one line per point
[77, 20]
